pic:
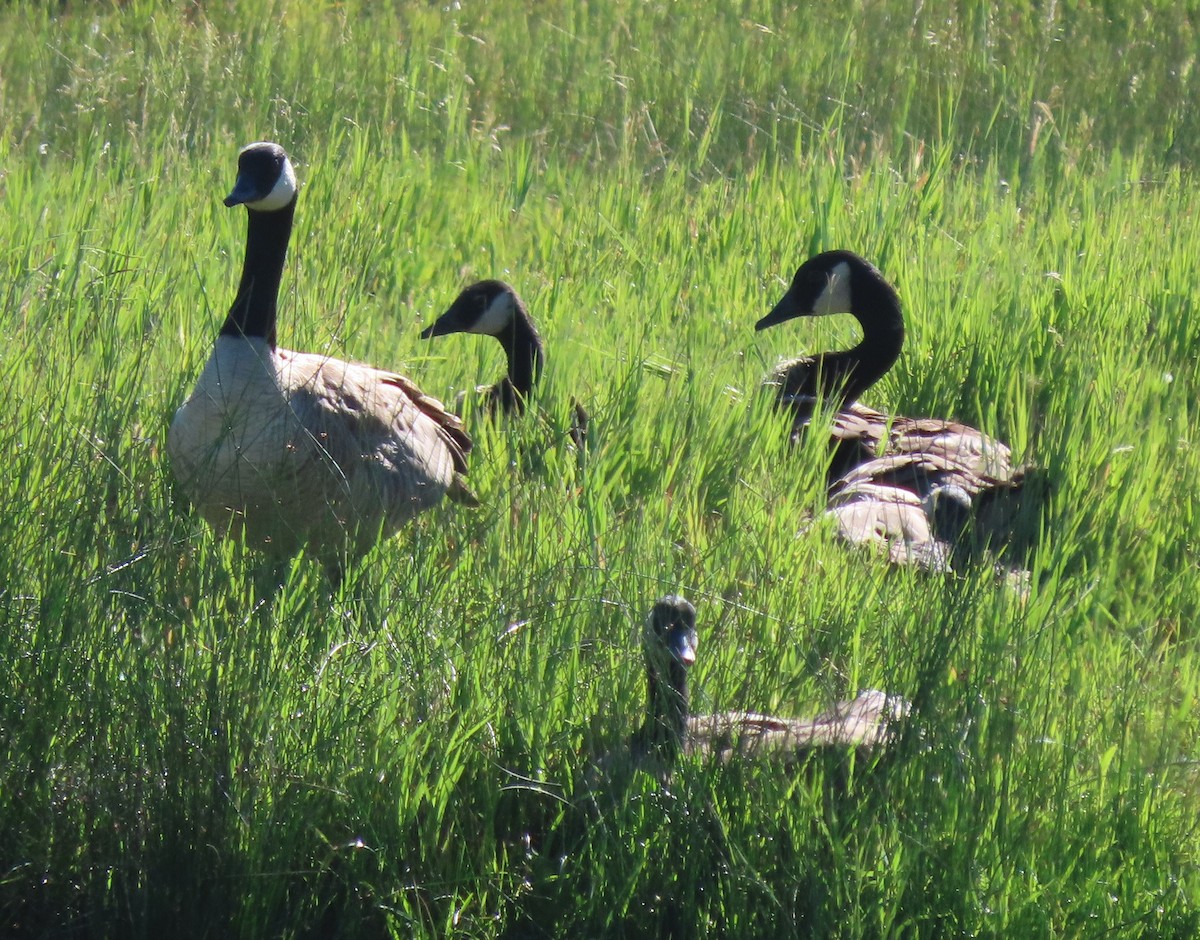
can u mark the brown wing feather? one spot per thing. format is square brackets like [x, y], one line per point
[871, 720]
[939, 451]
[450, 426]
[920, 472]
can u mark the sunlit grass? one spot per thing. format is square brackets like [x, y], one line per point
[189, 746]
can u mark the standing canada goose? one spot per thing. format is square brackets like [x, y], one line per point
[493, 308]
[669, 644]
[924, 452]
[301, 449]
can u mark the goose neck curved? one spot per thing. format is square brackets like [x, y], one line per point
[254, 308]
[526, 357]
[879, 315]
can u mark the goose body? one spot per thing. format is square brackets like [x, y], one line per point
[915, 455]
[296, 449]
[926, 452]
[670, 641]
[868, 721]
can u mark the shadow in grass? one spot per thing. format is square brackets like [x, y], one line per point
[748, 847]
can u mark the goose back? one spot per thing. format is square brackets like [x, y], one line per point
[861, 435]
[869, 721]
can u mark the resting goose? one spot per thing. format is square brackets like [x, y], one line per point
[917, 454]
[493, 308]
[867, 722]
[297, 449]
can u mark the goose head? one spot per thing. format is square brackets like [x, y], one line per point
[669, 644]
[830, 283]
[492, 308]
[670, 640]
[488, 307]
[266, 180]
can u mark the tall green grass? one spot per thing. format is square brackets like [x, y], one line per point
[189, 745]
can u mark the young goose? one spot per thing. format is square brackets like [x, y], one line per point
[928, 448]
[493, 308]
[294, 449]
[669, 644]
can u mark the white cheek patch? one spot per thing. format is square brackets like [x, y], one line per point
[281, 193]
[835, 298]
[496, 318]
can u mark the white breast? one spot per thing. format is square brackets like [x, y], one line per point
[235, 418]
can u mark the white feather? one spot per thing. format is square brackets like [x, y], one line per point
[835, 298]
[497, 317]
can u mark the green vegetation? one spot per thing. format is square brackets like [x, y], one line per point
[187, 749]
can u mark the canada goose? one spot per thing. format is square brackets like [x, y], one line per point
[493, 308]
[295, 449]
[669, 644]
[926, 452]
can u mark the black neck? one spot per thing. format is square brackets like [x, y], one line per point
[877, 309]
[254, 309]
[523, 347]
[665, 728]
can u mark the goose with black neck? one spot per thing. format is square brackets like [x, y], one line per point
[293, 449]
[670, 643]
[916, 454]
[493, 308]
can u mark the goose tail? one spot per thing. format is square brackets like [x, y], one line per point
[460, 493]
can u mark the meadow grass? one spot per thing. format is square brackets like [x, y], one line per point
[194, 742]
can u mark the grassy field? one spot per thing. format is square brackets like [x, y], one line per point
[186, 746]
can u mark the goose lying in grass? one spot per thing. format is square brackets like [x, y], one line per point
[914, 454]
[868, 722]
[493, 308]
[300, 449]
